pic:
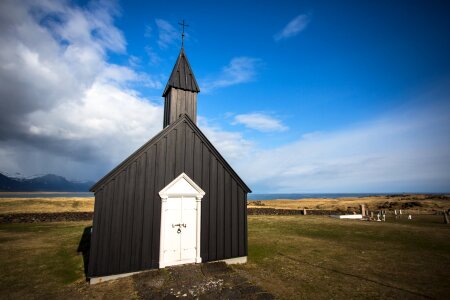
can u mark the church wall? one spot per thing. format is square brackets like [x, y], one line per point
[127, 211]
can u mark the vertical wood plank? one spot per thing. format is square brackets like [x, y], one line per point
[204, 244]
[220, 211]
[234, 219]
[173, 105]
[179, 110]
[189, 108]
[104, 230]
[180, 149]
[170, 157]
[246, 226]
[189, 159]
[186, 102]
[128, 220]
[213, 210]
[195, 108]
[160, 171]
[227, 216]
[241, 211]
[114, 241]
[109, 238]
[138, 213]
[147, 229]
[93, 251]
[197, 160]
[118, 220]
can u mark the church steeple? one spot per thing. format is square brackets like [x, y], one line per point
[181, 91]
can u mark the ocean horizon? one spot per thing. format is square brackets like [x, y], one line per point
[256, 196]
[296, 196]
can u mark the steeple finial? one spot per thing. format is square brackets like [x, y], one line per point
[182, 34]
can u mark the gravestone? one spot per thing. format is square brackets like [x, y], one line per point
[363, 210]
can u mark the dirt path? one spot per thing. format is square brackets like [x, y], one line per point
[197, 281]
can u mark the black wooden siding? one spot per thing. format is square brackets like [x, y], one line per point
[127, 212]
[178, 102]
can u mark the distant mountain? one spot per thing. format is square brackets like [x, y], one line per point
[46, 183]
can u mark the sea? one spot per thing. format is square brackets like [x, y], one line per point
[311, 195]
[250, 196]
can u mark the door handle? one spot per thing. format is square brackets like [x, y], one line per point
[179, 226]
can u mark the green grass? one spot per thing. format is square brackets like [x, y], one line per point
[317, 257]
[39, 259]
[310, 257]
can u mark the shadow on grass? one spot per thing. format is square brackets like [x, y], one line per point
[84, 247]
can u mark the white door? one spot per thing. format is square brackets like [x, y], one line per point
[180, 222]
[180, 231]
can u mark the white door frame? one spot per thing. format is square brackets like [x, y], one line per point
[173, 190]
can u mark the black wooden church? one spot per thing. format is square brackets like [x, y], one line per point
[173, 201]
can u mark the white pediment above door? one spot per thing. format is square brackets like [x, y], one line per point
[182, 185]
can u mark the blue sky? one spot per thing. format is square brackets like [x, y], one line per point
[298, 96]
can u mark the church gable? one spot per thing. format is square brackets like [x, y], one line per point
[180, 146]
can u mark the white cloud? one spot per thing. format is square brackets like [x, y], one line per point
[294, 27]
[404, 151]
[232, 145]
[64, 108]
[239, 70]
[152, 55]
[167, 34]
[400, 153]
[260, 122]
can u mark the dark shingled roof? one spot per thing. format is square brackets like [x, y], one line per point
[182, 76]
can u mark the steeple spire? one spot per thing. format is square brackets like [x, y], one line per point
[182, 76]
[181, 91]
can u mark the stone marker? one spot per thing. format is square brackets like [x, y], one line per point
[304, 211]
[395, 212]
[363, 210]
[445, 218]
[378, 217]
[400, 211]
[384, 218]
[409, 217]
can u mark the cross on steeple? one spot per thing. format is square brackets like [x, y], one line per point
[182, 34]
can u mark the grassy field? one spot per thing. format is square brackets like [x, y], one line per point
[311, 257]
[42, 261]
[46, 204]
[414, 204]
[317, 257]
